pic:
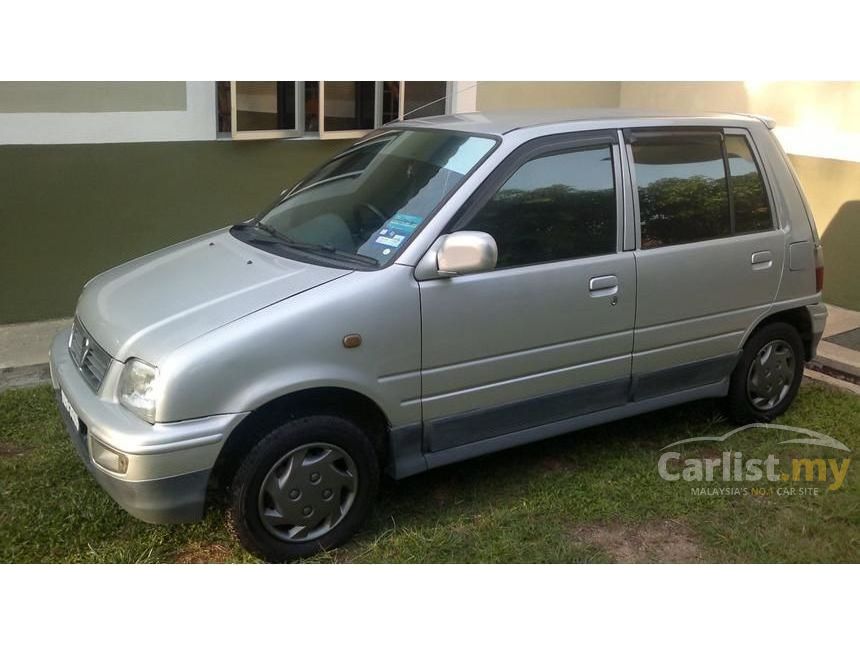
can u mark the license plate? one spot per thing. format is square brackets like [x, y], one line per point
[70, 410]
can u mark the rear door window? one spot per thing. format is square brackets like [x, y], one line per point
[683, 193]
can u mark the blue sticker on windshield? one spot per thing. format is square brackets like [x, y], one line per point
[393, 234]
[403, 224]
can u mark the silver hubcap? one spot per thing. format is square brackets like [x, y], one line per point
[307, 492]
[771, 375]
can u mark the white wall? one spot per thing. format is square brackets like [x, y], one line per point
[196, 123]
[464, 96]
[813, 118]
[517, 95]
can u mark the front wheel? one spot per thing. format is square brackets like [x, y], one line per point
[306, 487]
[768, 375]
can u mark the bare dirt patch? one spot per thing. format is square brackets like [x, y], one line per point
[666, 541]
[553, 463]
[200, 553]
[10, 449]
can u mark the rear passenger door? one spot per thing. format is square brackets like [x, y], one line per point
[709, 254]
[548, 334]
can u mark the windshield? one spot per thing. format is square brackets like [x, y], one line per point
[366, 203]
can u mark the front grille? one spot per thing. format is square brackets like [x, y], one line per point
[91, 360]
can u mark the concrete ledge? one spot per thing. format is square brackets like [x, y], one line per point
[838, 358]
[830, 380]
[26, 344]
[24, 376]
[24, 352]
[840, 320]
[830, 357]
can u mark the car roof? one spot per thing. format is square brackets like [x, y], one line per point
[503, 122]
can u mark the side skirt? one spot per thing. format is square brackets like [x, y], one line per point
[408, 458]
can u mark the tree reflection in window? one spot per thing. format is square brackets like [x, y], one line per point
[553, 208]
[683, 195]
[752, 211]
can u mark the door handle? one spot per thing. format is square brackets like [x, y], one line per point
[761, 260]
[603, 285]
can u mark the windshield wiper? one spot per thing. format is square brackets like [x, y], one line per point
[306, 246]
[347, 255]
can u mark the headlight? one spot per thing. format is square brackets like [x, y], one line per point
[138, 388]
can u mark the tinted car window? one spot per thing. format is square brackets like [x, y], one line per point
[752, 211]
[355, 161]
[368, 202]
[683, 195]
[555, 207]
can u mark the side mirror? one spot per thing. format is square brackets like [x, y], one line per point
[458, 254]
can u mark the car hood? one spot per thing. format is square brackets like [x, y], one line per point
[148, 307]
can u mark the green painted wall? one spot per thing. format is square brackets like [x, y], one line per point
[69, 212]
[91, 96]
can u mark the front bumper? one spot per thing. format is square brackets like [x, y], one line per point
[168, 463]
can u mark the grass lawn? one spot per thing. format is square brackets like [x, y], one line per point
[591, 496]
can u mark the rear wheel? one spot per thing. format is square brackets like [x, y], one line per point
[768, 375]
[306, 487]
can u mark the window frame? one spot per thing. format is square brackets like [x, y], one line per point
[539, 147]
[321, 133]
[630, 135]
[350, 134]
[378, 98]
[449, 99]
[249, 135]
[758, 162]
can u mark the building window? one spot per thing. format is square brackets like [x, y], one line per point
[425, 98]
[265, 108]
[324, 109]
[348, 107]
[222, 91]
[391, 107]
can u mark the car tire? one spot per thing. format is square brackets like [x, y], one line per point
[305, 487]
[768, 375]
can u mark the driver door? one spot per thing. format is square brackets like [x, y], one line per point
[548, 334]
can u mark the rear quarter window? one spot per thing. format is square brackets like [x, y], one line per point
[752, 210]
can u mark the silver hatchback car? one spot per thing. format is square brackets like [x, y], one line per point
[444, 288]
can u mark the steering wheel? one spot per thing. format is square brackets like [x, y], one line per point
[364, 226]
[381, 218]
